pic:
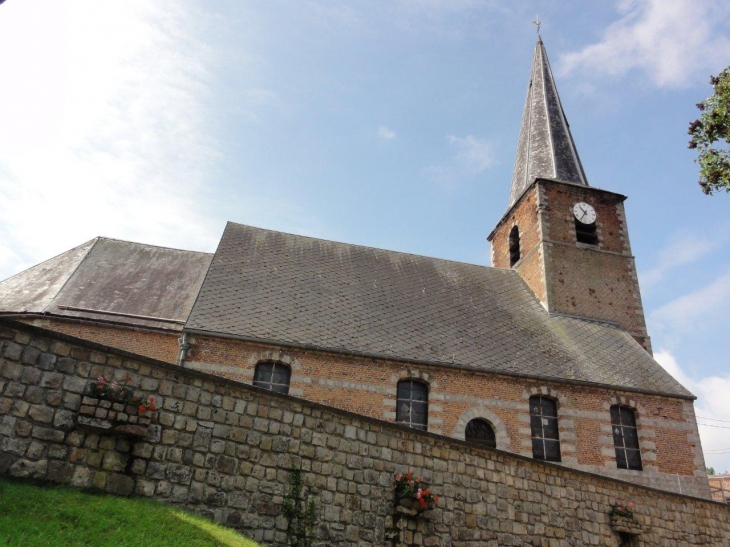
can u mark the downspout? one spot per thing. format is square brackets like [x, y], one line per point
[184, 347]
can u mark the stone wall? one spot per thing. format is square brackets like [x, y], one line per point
[668, 437]
[223, 449]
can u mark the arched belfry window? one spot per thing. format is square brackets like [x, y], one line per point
[625, 438]
[273, 376]
[514, 246]
[544, 429]
[479, 431]
[412, 405]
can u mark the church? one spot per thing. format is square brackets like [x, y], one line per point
[545, 354]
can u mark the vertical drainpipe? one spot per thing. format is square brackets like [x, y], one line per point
[184, 347]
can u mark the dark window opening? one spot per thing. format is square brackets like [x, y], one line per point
[412, 406]
[272, 376]
[514, 246]
[586, 233]
[480, 432]
[544, 429]
[626, 540]
[625, 438]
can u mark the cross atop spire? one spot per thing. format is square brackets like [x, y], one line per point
[545, 148]
[537, 23]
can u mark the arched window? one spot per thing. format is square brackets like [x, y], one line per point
[544, 427]
[272, 375]
[625, 438]
[479, 431]
[514, 246]
[412, 406]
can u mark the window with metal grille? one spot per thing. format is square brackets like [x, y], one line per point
[480, 432]
[544, 427]
[586, 233]
[273, 376]
[412, 405]
[514, 246]
[625, 438]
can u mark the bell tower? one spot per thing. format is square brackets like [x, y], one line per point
[568, 241]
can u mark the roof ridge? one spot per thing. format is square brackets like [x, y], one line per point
[372, 248]
[21, 272]
[152, 245]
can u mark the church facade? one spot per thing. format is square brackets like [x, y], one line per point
[545, 354]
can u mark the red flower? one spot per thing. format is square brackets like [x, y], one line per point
[142, 408]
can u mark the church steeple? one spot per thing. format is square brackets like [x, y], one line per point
[545, 148]
[567, 240]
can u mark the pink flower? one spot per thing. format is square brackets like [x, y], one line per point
[419, 494]
[419, 479]
[398, 477]
[101, 380]
[631, 505]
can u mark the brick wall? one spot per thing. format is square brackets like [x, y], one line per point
[531, 264]
[162, 346]
[222, 449]
[669, 440]
[720, 487]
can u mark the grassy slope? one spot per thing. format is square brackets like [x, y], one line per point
[33, 516]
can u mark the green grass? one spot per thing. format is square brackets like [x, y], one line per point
[45, 516]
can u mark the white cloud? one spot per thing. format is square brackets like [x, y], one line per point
[683, 248]
[105, 129]
[475, 155]
[712, 408]
[386, 134]
[704, 308]
[472, 157]
[676, 42]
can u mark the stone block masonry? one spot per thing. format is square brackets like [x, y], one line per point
[223, 449]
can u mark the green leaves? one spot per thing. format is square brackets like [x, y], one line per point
[300, 512]
[709, 131]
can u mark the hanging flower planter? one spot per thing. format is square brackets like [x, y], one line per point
[622, 519]
[412, 494]
[112, 408]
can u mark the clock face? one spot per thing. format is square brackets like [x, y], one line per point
[585, 213]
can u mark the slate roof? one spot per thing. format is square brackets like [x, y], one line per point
[270, 286]
[111, 280]
[545, 147]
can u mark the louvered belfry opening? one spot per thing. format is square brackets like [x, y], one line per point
[586, 233]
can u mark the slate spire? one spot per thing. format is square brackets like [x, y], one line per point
[545, 148]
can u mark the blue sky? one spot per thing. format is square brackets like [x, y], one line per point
[390, 124]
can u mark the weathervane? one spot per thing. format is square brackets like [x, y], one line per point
[537, 23]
